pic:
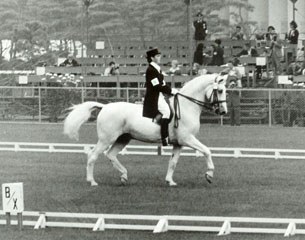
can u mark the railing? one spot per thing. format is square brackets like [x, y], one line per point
[160, 223]
[149, 150]
[257, 106]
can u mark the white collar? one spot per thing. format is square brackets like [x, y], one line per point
[156, 66]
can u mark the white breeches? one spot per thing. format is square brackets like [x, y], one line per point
[163, 107]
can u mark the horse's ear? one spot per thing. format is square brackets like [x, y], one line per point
[223, 80]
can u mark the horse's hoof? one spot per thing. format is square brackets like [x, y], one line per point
[208, 178]
[94, 183]
[171, 183]
[124, 179]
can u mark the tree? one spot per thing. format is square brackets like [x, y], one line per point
[242, 7]
[31, 25]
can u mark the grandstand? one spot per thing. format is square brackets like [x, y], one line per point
[32, 93]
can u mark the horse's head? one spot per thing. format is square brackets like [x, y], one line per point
[216, 95]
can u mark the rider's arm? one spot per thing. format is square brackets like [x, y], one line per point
[156, 80]
[161, 86]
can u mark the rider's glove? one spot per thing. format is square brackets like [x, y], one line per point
[174, 91]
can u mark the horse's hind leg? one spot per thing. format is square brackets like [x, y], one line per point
[92, 157]
[112, 153]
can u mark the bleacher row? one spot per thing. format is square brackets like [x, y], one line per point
[168, 48]
[133, 73]
[133, 53]
[130, 56]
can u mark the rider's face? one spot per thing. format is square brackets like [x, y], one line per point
[157, 58]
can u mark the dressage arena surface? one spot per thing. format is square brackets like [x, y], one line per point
[242, 187]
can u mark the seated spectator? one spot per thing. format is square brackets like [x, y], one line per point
[217, 54]
[174, 69]
[300, 55]
[297, 67]
[233, 72]
[248, 51]
[112, 69]
[70, 62]
[194, 70]
[259, 35]
[237, 35]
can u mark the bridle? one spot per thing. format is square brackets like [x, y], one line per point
[213, 99]
[212, 103]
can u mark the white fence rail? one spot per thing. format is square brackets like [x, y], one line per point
[155, 150]
[159, 223]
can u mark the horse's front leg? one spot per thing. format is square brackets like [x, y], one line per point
[194, 143]
[172, 165]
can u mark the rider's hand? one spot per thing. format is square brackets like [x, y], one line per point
[174, 91]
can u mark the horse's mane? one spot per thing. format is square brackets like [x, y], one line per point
[198, 83]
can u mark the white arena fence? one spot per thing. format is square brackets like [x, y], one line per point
[154, 150]
[159, 223]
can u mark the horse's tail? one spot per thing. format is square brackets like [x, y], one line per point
[80, 114]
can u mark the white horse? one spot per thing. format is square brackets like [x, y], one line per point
[118, 123]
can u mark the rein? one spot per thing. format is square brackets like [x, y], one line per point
[177, 112]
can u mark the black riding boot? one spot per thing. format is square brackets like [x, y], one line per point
[164, 131]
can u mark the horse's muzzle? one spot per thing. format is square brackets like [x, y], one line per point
[220, 111]
[223, 113]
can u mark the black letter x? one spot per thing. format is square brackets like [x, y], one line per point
[15, 203]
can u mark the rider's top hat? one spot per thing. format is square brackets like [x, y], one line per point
[152, 52]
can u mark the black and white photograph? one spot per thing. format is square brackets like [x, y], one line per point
[152, 119]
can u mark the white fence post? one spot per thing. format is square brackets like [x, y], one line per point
[100, 224]
[290, 230]
[225, 229]
[162, 225]
[41, 222]
[237, 153]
